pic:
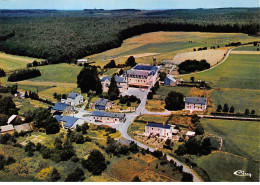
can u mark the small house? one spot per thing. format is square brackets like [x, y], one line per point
[103, 104]
[195, 104]
[69, 122]
[82, 61]
[189, 134]
[170, 81]
[61, 108]
[164, 131]
[121, 83]
[107, 117]
[75, 99]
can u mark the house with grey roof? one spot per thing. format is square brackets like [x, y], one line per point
[107, 117]
[102, 104]
[121, 83]
[69, 122]
[195, 104]
[160, 130]
[75, 99]
[61, 108]
[141, 76]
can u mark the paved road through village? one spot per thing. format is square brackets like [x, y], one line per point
[123, 127]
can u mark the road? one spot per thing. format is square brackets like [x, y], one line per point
[123, 127]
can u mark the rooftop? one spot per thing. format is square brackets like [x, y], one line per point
[158, 125]
[7, 128]
[11, 119]
[102, 102]
[196, 100]
[190, 133]
[118, 79]
[60, 106]
[170, 77]
[145, 67]
[23, 127]
[73, 95]
[69, 120]
[107, 114]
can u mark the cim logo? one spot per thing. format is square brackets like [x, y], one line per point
[242, 173]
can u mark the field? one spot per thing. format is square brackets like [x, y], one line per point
[246, 48]
[211, 56]
[239, 137]
[12, 62]
[165, 45]
[220, 167]
[240, 99]
[27, 104]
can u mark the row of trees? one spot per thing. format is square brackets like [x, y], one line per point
[226, 109]
[23, 74]
[153, 90]
[189, 66]
[36, 63]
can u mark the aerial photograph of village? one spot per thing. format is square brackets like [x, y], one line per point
[129, 91]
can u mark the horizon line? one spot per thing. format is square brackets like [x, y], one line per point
[121, 9]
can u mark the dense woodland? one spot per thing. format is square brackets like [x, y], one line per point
[63, 36]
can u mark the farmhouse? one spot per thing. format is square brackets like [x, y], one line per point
[103, 104]
[107, 117]
[170, 81]
[74, 99]
[69, 122]
[141, 76]
[195, 104]
[82, 61]
[164, 131]
[61, 108]
[121, 83]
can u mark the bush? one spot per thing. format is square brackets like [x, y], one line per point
[2, 73]
[75, 176]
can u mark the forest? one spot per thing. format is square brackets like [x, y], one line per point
[64, 36]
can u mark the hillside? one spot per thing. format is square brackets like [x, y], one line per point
[64, 36]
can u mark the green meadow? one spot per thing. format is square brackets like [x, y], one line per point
[239, 137]
[221, 167]
[247, 48]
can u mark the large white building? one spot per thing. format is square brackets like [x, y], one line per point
[141, 76]
[160, 130]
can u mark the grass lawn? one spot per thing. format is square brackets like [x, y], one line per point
[238, 71]
[247, 48]
[220, 167]
[58, 73]
[164, 90]
[33, 88]
[12, 62]
[25, 105]
[239, 137]
[155, 105]
[110, 72]
[239, 99]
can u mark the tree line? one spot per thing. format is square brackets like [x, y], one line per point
[189, 66]
[23, 74]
